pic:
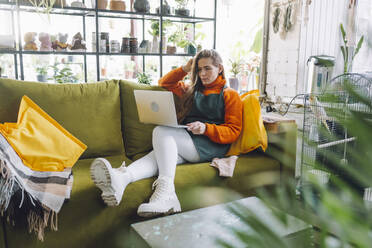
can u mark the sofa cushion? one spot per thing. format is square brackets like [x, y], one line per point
[87, 222]
[89, 111]
[136, 135]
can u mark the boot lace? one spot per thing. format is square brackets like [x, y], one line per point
[162, 190]
[122, 168]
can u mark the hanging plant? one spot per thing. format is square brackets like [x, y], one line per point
[288, 18]
[46, 6]
[276, 19]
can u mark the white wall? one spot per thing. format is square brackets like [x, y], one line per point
[287, 70]
[363, 61]
[282, 60]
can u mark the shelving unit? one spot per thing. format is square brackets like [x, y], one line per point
[97, 15]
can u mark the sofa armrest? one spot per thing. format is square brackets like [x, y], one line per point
[282, 139]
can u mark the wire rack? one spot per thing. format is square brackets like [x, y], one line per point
[326, 142]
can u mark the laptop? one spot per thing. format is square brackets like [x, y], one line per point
[156, 107]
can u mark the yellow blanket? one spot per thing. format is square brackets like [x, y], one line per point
[253, 134]
[42, 143]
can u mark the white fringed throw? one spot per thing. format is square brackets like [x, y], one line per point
[46, 191]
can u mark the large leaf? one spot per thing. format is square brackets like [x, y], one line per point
[257, 43]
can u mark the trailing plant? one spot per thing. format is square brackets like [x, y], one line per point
[46, 6]
[346, 51]
[144, 78]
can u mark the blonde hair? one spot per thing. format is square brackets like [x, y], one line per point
[185, 103]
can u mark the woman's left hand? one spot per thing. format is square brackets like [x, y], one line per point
[196, 127]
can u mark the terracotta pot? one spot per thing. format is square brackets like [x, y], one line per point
[117, 5]
[171, 49]
[101, 4]
[60, 3]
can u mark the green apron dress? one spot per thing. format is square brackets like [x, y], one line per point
[208, 109]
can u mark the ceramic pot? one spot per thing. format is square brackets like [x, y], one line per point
[234, 83]
[191, 49]
[182, 12]
[142, 6]
[41, 78]
[165, 9]
[155, 44]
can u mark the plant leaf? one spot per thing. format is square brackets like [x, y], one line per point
[343, 33]
[360, 43]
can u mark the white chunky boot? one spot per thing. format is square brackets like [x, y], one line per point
[112, 181]
[163, 201]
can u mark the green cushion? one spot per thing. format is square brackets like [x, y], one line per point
[89, 111]
[136, 135]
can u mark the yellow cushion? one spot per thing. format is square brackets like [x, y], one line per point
[253, 133]
[42, 143]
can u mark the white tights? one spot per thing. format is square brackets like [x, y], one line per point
[172, 146]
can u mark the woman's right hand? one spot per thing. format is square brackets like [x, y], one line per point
[187, 67]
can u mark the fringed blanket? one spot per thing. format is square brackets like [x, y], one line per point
[45, 191]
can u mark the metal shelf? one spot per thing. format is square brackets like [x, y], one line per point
[105, 13]
[91, 53]
[16, 10]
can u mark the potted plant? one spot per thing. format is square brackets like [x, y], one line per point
[42, 73]
[199, 37]
[235, 70]
[175, 38]
[144, 78]
[345, 50]
[165, 8]
[63, 75]
[155, 32]
[182, 8]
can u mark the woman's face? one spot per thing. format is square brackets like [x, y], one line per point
[208, 72]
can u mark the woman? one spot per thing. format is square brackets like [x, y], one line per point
[213, 114]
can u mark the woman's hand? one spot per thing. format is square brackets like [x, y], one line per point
[187, 67]
[196, 127]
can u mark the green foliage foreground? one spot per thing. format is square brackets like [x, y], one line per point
[336, 209]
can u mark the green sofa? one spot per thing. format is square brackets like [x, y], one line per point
[103, 115]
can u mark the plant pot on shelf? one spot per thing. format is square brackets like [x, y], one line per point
[155, 44]
[182, 12]
[191, 49]
[171, 49]
[164, 44]
[41, 78]
[102, 4]
[60, 4]
[77, 4]
[142, 6]
[234, 83]
[165, 10]
[117, 5]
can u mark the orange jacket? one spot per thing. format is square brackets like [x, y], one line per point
[225, 133]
